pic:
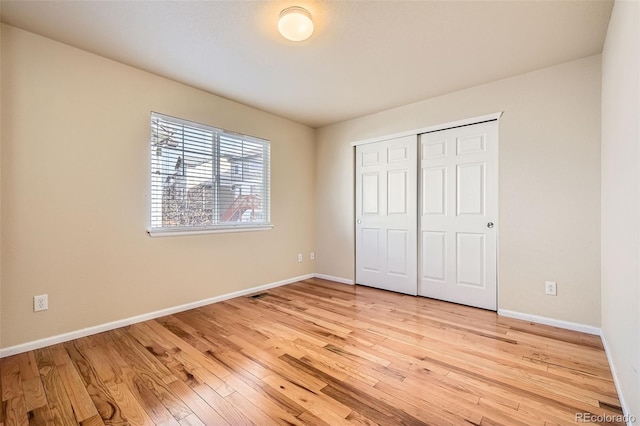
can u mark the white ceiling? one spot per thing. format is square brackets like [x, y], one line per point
[364, 57]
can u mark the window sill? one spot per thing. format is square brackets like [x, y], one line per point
[221, 230]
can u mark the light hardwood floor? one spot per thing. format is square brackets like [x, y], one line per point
[317, 353]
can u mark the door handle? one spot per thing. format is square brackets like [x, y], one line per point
[358, 221]
[490, 225]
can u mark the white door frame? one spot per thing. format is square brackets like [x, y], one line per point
[435, 128]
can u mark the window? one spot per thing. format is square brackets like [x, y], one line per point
[206, 179]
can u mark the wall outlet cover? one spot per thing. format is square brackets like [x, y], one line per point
[551, 288]
[40, 303]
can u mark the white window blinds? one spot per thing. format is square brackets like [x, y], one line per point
[203, 178]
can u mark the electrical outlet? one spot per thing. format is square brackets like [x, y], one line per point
[299, 257]
[550, 288]
[312, 256]
[40, 303]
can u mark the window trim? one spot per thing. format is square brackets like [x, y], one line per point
[218, 229]
[203, 231]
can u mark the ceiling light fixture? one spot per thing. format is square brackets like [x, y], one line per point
[295, 24]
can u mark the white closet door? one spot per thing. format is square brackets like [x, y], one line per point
[386, 215]
[458, 215]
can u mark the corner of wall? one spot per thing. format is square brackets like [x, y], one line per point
[620, 202]
[1, 29]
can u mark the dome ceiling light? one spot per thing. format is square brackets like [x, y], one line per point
[295, 24]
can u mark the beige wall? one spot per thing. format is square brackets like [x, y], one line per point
[75, 187]
[549, 184]
[621, 198]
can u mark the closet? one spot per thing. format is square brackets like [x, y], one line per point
[426, 214]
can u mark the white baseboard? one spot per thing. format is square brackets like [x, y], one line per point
[616, 382]
[37, 344]
[336, 279]
[584, 328]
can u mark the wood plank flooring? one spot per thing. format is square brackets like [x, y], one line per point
[316, 353]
